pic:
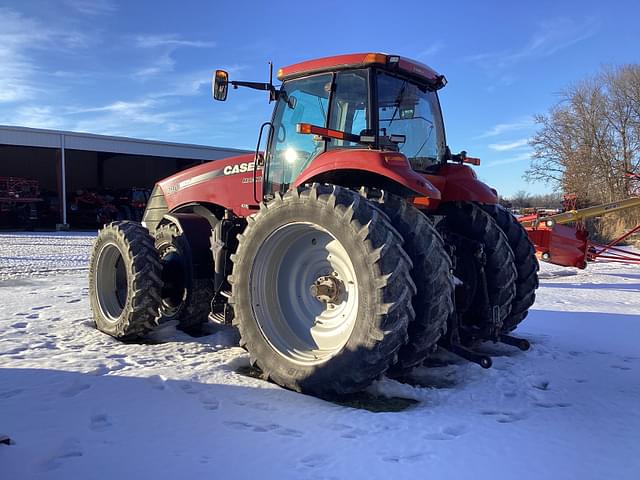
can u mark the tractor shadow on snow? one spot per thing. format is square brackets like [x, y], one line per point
[224, 337]
[361, 400]
[439, 372]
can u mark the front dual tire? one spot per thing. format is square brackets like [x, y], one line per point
[125, 281]
[138, 281]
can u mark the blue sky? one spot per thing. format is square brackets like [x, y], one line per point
[143, 69]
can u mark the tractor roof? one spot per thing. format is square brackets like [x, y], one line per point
[415, 69]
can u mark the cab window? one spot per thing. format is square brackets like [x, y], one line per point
[304, 100]
[405, 108]
[349, 112]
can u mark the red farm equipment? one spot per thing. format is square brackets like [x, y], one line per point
[569, 246]
[90, 208]
[352, 243]
[19, 198]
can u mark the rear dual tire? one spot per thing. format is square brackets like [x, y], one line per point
[467, 221]
[525, 261]
[431, 272]
[331, 235]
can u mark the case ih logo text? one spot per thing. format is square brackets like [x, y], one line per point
[239, 168]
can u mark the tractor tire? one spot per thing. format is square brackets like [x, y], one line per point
[185, 299]
[125, 281]
[321, 290]
[468, 220]
[433, 302]
[525, 261]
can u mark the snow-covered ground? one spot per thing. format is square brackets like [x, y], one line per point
[79, 404]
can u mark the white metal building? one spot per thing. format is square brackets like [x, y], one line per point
[65, 162]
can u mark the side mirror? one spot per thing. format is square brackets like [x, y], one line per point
[220, 85]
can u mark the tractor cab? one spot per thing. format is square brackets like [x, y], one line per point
[355, 102]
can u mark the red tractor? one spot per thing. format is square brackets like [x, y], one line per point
[353, 244]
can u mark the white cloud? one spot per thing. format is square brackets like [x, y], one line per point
[147, 118]
[92, 7]
[144, 117]
[163, 61]
[15, 71]
[500, 128]
[20, 36]
[193, 83]
[430, 52]
[506, 146]
[169, 40]
[143, 111]
[515, 159]
[36, 95]
[118, 106]
[41, 84]
[33, 116]
[16, 34]
[550, 37]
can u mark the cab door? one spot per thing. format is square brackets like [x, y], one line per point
[305, 100]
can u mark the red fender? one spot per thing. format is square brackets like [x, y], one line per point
[459, 183]
[391, 165]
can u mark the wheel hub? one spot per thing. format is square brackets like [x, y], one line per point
[327, 289]
[304, 292]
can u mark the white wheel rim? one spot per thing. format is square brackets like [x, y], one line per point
[111, 282]
[296, 323]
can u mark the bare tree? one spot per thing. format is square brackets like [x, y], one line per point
[522, 199]
[588, 141]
